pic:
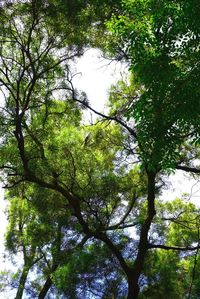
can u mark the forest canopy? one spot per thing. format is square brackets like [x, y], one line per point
[84, 207]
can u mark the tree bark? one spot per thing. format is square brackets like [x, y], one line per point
[22, 282]
[133, 288]
[45, 289]
[134, 274]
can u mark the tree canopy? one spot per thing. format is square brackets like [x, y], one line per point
[85, 214]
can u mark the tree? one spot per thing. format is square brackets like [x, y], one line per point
[161, 45]
[45, 241]
[21, 217]
[46, 146]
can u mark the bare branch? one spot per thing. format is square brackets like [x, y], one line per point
[118, 225]
[112, 118]
[178, 248]
[188, 169]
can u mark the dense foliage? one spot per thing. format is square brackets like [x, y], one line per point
[85, 217]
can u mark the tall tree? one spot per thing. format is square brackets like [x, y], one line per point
[106, 176]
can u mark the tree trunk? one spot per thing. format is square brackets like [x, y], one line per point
[45, 289]
[133, 289]
[134, 274]
[48, 284]
[22, 282]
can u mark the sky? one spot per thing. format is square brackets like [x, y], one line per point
[94, 76]
[183, 186]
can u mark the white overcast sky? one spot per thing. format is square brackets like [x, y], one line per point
[95, 75]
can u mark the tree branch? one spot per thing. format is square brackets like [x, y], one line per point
[118, 225]
[112, 118]
[178, 248]
[188, 169]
